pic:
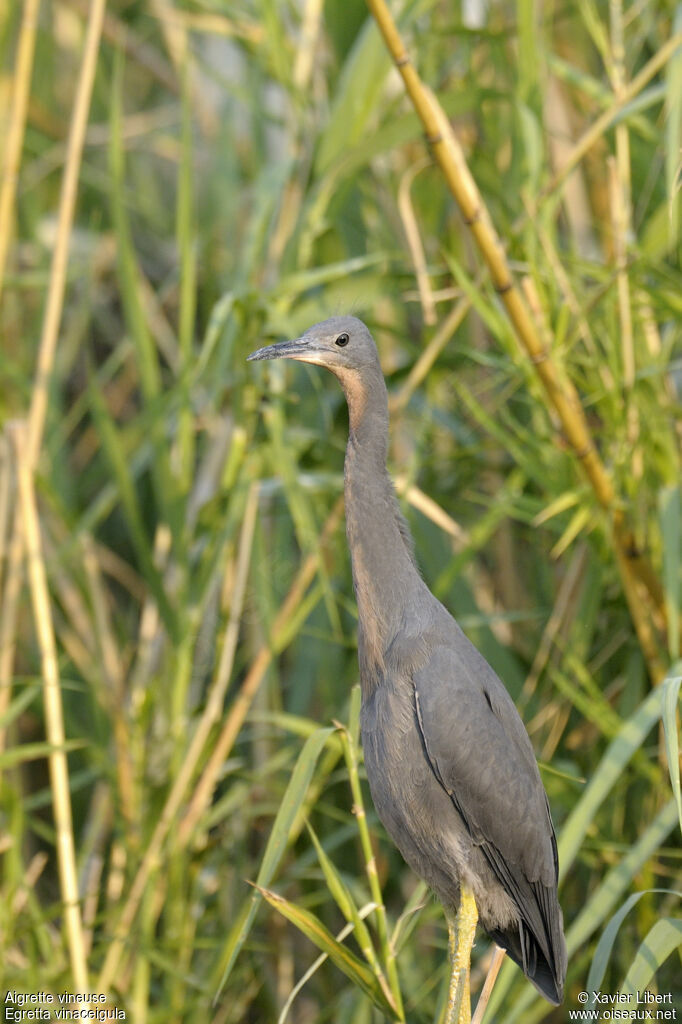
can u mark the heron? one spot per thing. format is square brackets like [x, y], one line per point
[450, 766]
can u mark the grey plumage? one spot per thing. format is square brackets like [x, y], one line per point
[450, 766]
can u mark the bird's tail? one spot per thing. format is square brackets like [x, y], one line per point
[544, 964]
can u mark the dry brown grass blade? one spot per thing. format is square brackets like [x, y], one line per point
[92, 855]
[414, 241]
[31, 875]
[210, 715]
[54, 717]
[455, 317]
[17, 124]
[429, 508]
[565, 600]
[645, 601]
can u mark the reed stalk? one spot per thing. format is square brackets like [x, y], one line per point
[642, 590]
[54, 715]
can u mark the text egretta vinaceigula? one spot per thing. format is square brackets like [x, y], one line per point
[450, 766]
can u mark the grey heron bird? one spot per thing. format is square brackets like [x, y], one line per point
[450, 766]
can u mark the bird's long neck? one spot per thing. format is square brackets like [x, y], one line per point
[385, 577]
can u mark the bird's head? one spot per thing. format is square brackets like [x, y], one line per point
[342, 344]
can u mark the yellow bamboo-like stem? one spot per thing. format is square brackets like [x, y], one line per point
[560, 390]
[54, 718]
[17, 124]
[451, 160]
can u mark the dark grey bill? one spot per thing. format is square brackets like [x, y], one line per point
[281, 350]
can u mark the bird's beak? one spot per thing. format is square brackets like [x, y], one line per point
[300, 349]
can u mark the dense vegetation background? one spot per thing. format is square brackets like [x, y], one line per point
[175, 581]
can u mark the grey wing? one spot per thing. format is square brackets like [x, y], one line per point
[480, 753]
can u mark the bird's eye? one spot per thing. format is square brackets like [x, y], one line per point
[342, 340]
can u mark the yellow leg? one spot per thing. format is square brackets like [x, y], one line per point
[461, 933]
